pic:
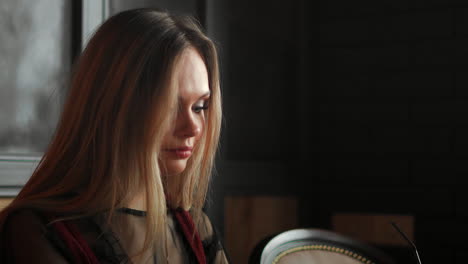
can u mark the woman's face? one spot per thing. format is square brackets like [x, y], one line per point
[191, 81]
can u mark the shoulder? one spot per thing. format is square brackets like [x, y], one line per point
[24, 221]
[19, 227]
[203, 224]
[212, 245]
[25, 238]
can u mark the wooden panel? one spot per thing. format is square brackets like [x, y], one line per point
[4, 202]
[374, 228]
[249, 219]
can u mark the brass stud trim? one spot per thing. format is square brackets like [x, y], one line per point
[326, 248]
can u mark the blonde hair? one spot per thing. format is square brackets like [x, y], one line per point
[105, 149]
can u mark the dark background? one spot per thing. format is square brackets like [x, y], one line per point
[352, 106]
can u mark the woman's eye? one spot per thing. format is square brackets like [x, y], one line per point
[199, 108]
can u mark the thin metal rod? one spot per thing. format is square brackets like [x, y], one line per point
[408, 240]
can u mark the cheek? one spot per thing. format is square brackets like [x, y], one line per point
[202, 126]
[167, 137]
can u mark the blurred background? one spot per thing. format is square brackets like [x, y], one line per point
[370, 127]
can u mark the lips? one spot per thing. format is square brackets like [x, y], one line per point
[180, 152]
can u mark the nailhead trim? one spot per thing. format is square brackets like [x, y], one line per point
[325, 248]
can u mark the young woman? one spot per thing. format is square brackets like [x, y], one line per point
[125, 177]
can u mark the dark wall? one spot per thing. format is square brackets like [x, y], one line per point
[354, 106]
[392, 116]
[265, 48]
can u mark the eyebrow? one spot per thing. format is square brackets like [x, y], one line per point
[205, 95]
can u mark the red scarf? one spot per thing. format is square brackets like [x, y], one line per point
[75, 242]
[82, 253]
[190, 233]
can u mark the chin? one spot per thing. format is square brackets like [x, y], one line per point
[175, 167]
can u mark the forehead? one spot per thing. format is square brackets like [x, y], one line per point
[190, 75]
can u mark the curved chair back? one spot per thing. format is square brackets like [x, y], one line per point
[318, 246]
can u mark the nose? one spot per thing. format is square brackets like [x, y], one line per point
[188, 125]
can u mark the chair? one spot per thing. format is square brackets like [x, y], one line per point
[316, 246]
